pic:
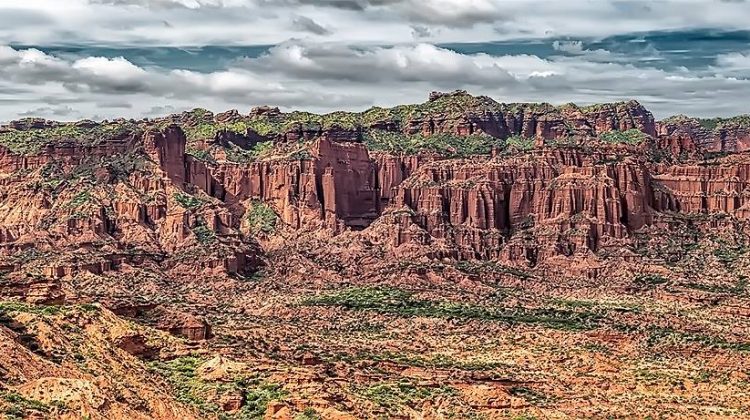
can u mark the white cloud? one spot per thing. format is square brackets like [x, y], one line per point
[414, 63]
[234, 22]
[734, 62]
[332, 54]
[298, 75]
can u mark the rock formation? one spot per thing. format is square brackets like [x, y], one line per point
[571, 193]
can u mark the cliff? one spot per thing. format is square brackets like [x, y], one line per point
[521, 182]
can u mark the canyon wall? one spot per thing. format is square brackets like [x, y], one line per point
[560, 198]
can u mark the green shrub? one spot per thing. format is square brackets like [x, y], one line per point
[519, 143]
[632, 136]
[649, 280]
[398, 302]
[204, 234]
[672, 336]
[308, 414]
[533, 397]
[446, 145]
[20, 407]
[191, 389]
[29, 142]
[261, 218]
[393, 395]
[201, 154]
[188, 201]
[45, 310]
[79, 200]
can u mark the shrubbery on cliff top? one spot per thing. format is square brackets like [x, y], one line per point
[443, 144]
[27, 142]
[632, 136]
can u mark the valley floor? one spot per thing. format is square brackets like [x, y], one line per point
[335, 333]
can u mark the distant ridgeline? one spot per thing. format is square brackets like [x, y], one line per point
[449, 124]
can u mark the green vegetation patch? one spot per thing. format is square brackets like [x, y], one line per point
[632, 136]
[261, 218]
[204, 234]
[711, 124]
[47, 310]
[519, 143]
[446, 145]
[728, 254]
[439, 361]
[661, 335]
[234, 153]
[190, 389]
[20, 407]
[29, 142]
[649, 280]
[188, 201]
[392, 395]
[739, 288]
[79, 200]
[308, 414]
[402, 303]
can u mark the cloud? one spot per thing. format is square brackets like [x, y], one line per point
[28, 18]
[384, 22]
[114, 104]
[161, 4]
[117, 84]
[452, 13]
[366, 60]
[158, 110]
[417, 63]
[572, 47]
[736, 64]
[305, 24]
[420, 31]
[46, 111]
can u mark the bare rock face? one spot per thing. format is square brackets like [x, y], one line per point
[167, 148]
[392, 171]
[346, 177]
[184, 325]
[337, 186]
[563, 199]
[136, 345]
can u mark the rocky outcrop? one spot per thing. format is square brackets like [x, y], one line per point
[461, 114]
[346, 179]
[727, 136]
[392, 171]
[167, 148]
[185, 325]
[560, 201]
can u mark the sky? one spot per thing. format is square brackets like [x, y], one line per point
[103, 59]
